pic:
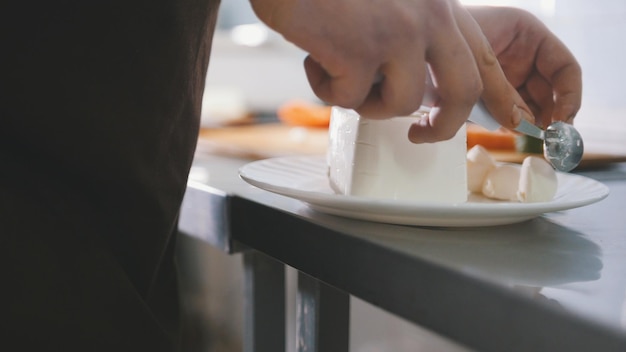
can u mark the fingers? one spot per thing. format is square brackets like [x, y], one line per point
[393, 89]
[500, 97]
[565, 75]
[346, 88]
[350, 81]
[539, 97]
[456, 79]
[398, 92]
[528, 50]
[567, 93]
[400, 41]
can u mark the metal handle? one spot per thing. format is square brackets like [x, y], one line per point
[479, 114]
[528, 128]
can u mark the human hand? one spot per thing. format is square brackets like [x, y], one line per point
[350, 45]
[535, 62]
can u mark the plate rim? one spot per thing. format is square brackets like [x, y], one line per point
[337, 203]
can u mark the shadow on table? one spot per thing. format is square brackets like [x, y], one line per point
[534, 253]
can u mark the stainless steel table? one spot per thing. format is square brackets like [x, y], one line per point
[555, 283]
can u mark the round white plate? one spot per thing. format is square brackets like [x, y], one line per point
[305, 178]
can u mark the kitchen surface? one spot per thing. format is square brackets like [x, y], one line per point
[565, 266]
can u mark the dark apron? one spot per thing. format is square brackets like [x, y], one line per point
[99, 112]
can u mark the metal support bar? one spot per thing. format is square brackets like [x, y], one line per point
[323, 317]
[264, 303]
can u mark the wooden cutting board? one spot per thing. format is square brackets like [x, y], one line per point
[262, 141]
[590, 159]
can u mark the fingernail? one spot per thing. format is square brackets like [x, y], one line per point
[521, 114]
[417, 129]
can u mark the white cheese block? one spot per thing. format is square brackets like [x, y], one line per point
[374, 158]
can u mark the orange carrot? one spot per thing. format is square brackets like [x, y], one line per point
[492, 140]
[300, 113]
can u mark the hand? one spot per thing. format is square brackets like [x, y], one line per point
[350, 44]
[535, 62]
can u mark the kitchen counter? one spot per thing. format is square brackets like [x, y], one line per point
[554, 283]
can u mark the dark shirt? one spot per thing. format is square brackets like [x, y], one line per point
[99, 111]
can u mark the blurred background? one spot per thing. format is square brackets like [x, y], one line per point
[254, 71]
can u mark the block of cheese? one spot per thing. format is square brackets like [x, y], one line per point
[374, 158]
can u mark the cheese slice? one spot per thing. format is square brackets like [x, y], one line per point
[479, 163]
[502, 182]
[538, 181]
[374, 158]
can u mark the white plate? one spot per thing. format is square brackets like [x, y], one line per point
[305, 178]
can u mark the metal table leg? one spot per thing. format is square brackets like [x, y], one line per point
[264, 304]
[323, 317]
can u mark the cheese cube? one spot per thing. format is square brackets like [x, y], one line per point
[374, 158]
